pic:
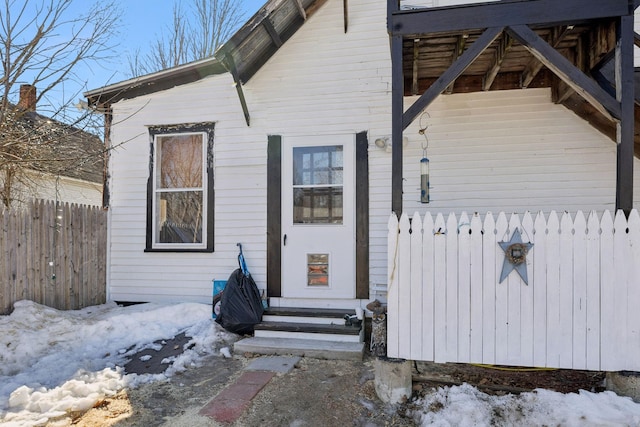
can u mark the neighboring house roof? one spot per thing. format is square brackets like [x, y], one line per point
[243, 55]
[70, 152]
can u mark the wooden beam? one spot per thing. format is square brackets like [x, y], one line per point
[300, 7]
[636, 38]
[502, 14]
[362, 215]
[397, 107]
[266, 23]
[552, 59]
[457, 68]
[345, 12]
[230, 65]
[274, 216]
[533, 68]
[460, 43]
[626, 126]
[503, 48]
[416, 54]
[562, 92]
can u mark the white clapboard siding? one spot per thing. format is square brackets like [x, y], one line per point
[579, 309]
[321, 81]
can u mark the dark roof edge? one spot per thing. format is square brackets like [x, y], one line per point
[150, 83]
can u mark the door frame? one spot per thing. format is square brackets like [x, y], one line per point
[274, 215]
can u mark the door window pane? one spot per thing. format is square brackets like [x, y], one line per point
[317, 184]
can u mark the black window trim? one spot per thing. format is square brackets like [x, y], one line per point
[208, 129]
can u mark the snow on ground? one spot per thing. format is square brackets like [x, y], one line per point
[467, 406]
[52, 362]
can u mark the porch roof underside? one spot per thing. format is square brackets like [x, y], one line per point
[435, 38]
[567, 45]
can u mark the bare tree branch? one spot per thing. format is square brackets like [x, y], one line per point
[43, 44]
[193, 34]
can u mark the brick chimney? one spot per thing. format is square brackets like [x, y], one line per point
[27, 98]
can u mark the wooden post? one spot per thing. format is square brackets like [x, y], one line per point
[625, 128]
[397, 107]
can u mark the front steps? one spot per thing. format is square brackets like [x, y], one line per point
[319, 333]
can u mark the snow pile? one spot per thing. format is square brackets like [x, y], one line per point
[467, 406]
[53, 362]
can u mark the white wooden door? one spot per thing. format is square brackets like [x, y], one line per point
[318, 215]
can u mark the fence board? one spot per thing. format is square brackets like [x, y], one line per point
[393, 309]
[47, 254]
[489, 281]
[464, 288]
[621, 261]
[607, 289]
[633, 337]
[526, 298]
[566, 291]
[428, 288]
[476, 315]
[404, 288]
[417, 310]
[592, 257]
[440, 291]
[553, 290]
[452, 286]
[580, 312]
[513, 287]
[502, 293]
[538, 258]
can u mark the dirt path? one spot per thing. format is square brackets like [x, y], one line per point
[315, 393]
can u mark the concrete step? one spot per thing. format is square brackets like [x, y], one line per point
[322, 316]
[301, 347]
[311, 331]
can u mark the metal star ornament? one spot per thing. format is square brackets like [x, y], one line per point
[515, 251]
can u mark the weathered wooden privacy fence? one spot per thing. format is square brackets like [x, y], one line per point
[53, 254]
[580, 309]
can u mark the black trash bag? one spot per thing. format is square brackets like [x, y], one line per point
[241, 306]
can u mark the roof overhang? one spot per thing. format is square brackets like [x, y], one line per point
[242, 55]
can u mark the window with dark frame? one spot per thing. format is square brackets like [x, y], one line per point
[180, 189]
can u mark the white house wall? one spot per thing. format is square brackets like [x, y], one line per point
[511, 151]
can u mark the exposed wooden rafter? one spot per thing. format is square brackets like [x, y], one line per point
[460, 44]
[300, 8]
[416, 55]
[505, 44]
[560, 66]
[230, 65]
[534, 66]
[275, 37]
[457, 68]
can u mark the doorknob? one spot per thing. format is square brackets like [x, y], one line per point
[285, 240]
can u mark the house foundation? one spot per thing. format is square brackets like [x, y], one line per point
[393, 379]
[624, 383]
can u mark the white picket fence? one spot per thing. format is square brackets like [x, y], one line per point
[580, 309]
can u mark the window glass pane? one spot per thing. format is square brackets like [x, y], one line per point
[179, 217]
[317, 205]
[317, 165]
[179, 161]
[318, 269]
